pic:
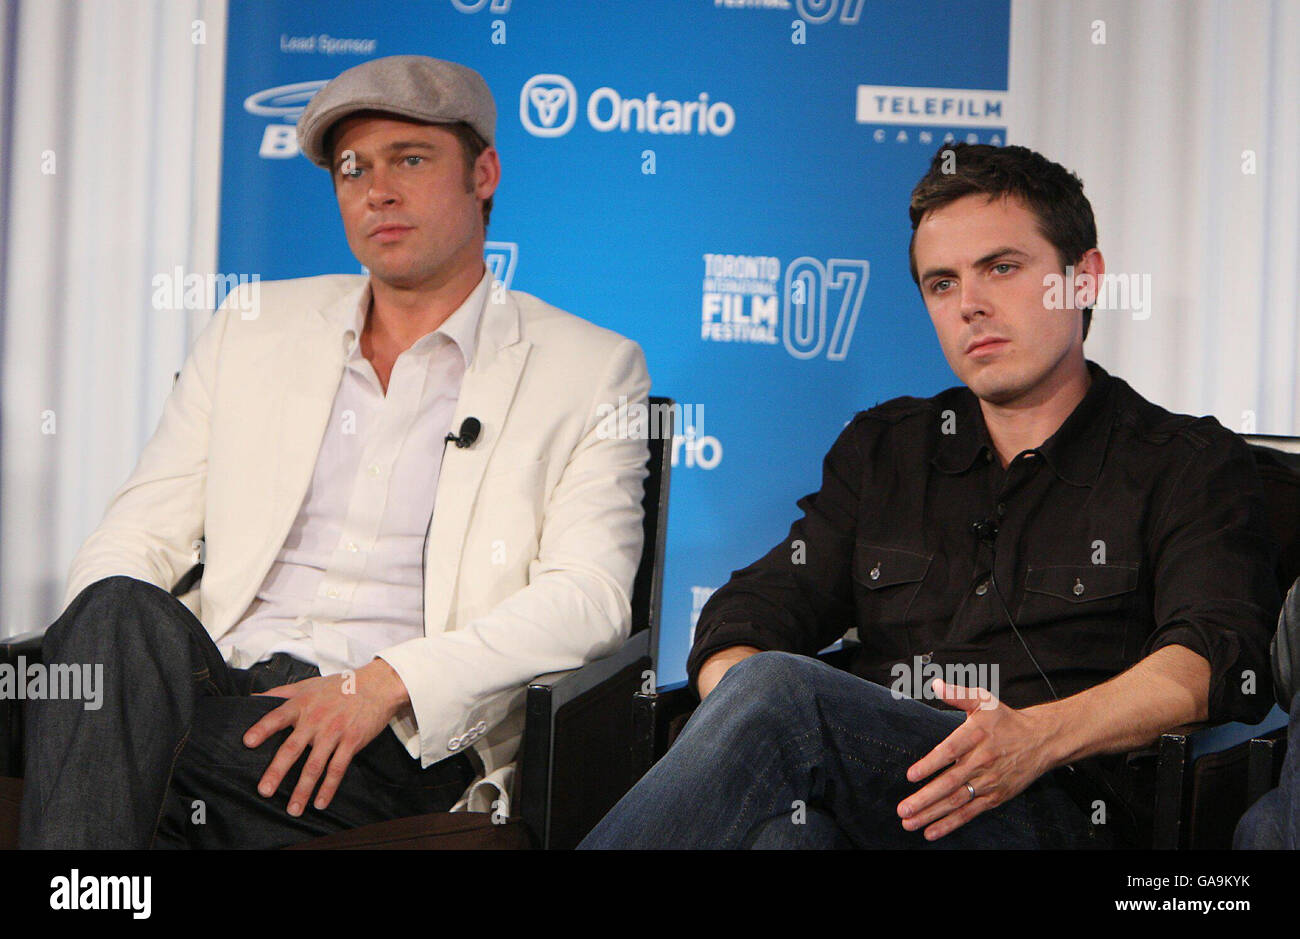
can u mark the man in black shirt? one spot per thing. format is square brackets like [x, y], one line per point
[1078, 568]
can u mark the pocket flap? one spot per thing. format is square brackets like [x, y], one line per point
[876, 566]
[1083, 582]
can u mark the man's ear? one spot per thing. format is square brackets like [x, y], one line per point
[1088, 272]
[487, 173]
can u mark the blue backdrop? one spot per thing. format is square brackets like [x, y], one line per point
[724, 181]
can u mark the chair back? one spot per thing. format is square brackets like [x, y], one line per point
[1278, 460]
[648, 587]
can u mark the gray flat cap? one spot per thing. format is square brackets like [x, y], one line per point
[411, 86]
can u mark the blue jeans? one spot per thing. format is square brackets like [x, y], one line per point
[1272, 822]
[161, 763]
[788, 752]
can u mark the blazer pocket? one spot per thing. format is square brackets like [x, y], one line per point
[508, 469]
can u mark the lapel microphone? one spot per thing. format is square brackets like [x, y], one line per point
[469, 431]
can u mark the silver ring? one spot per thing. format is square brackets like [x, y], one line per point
[971, 790]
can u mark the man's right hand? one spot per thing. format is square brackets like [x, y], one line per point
[716, 665]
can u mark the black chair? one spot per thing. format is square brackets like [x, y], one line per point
[1206, 778]
[584, 743]
[1203, 779]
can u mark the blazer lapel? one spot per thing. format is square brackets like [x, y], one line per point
[486, 394]
[307, 377]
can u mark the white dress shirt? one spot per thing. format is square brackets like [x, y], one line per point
[349, 580]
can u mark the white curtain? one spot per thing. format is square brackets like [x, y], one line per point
[110, 119]
[1161, 107]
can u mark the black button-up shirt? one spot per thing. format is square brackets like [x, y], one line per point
[1131, 528]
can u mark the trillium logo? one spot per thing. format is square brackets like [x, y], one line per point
[552, 99]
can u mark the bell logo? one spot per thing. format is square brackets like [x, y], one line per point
[285, 101]
[280, 141]
[547, 105]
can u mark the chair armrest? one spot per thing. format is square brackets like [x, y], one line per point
[562, 687]
[1220, 737]
[1264, 765]
[580, 747]
[1177, 753]
[27, 648]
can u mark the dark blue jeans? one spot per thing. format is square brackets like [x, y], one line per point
[788, 752]
[1274, 821]
[161, 763]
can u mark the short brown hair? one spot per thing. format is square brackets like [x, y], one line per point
[1049, 190]
[472, 146]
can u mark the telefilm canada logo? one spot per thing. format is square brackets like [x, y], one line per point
[811, 307]
[932, 107]
[549, 106]
[915, 112]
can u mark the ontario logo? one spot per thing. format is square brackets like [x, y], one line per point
[549, 107]
[811, 307]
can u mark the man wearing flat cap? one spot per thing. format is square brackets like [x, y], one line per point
[407, 511]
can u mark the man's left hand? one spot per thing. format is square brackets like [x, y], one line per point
[998, 750]
[336, 716]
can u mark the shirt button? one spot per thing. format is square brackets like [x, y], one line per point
[982, 589]
[875, 572]
[925, 659]
[352, 546]
[332, 594]
[1002, 509]
[1078, 587]
[374, 469]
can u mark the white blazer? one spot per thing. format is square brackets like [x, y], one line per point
[536, 532]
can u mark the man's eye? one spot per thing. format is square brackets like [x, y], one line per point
[939, 286]
[413, 157]
[1004, 267]
[349, 172]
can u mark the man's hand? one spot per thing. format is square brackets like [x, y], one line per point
[716, 665]
[998, 750]
[335, 715]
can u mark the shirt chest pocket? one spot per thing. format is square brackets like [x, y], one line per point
[886, 582]
[1087, 608]
[1083, 583]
